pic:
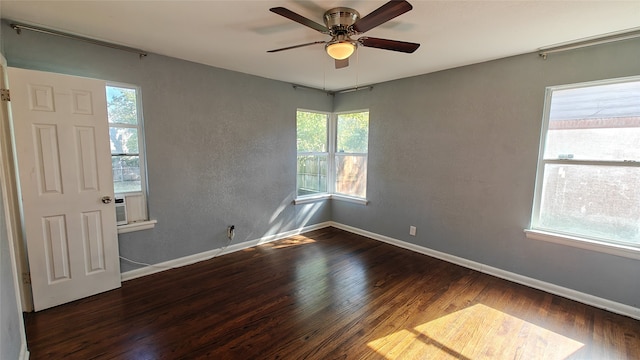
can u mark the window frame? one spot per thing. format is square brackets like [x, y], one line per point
[332, 154]
[144, 222]
[315, 153]
[539, 232]
[337, 154]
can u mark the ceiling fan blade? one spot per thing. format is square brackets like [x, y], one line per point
[299, 19]
[394, 45]
[296, 46]
[342, 63]
[381, 15]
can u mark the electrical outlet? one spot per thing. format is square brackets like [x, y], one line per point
[231, 232]
[412, 230]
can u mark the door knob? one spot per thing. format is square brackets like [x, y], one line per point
[106, 199]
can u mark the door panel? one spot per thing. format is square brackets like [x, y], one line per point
[87, 162]
[64, 164]
[57, 248]
[93, 241]
[47, 159]
[40, 97]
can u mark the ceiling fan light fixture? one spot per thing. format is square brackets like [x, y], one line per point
[340, 50]
[342, 23]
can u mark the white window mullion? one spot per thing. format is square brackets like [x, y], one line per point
[331, 185]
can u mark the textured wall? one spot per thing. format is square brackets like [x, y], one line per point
[220, 144]
[455, 153]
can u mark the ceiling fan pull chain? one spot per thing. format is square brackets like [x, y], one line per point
[357, 66]
[324, 74]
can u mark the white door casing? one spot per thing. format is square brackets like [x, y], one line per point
[64, 165]
[8, 186]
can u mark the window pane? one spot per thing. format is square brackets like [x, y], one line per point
[126, 173]
[121, 105]
[593, 201]
[351, 175]
[312, 131]
[312, 174]
[123, 140]
[353, 132]
[595, 123]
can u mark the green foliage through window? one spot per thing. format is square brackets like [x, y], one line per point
[122, 112]
[121, 105]
[312, 131]
[353, 132]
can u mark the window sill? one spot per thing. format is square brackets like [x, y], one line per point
[582, 243]
[137, 226]
[314, 198]
[311, 198]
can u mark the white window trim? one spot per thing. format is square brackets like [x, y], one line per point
[536, 232]
[137, 226]
[146, 223]
[332, 128]
[326, 196]
[584, 243]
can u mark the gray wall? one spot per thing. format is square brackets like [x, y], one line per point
[10, 316]
[454, 153]
[220, 144]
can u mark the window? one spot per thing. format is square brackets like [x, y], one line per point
[127, 149]
[588, 183]
[313, 152]
[352, 145]
[332, 154]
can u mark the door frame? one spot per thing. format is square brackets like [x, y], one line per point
[12, 202]
[11, 205]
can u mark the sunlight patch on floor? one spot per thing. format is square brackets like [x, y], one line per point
[477, 332]
[288, 242]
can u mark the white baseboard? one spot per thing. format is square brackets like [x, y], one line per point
[192, 259]
[584, 298]
[588, 299]
[24, 353]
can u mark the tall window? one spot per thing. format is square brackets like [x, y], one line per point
[352, 146]
[127, 156]
[588, 183]
[313, 155]
[332, 153]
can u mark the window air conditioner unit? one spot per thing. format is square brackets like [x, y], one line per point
[121, 210]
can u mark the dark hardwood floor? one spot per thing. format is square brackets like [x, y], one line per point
[328, 295]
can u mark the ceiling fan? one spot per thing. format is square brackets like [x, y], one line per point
[342, 23]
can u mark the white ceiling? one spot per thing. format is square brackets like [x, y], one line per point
[235, 35]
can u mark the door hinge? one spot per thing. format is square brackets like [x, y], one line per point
[5, 95]
[26, 278]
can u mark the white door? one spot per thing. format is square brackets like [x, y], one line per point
[64, 165]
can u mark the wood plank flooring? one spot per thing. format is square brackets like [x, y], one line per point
[328, 295]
